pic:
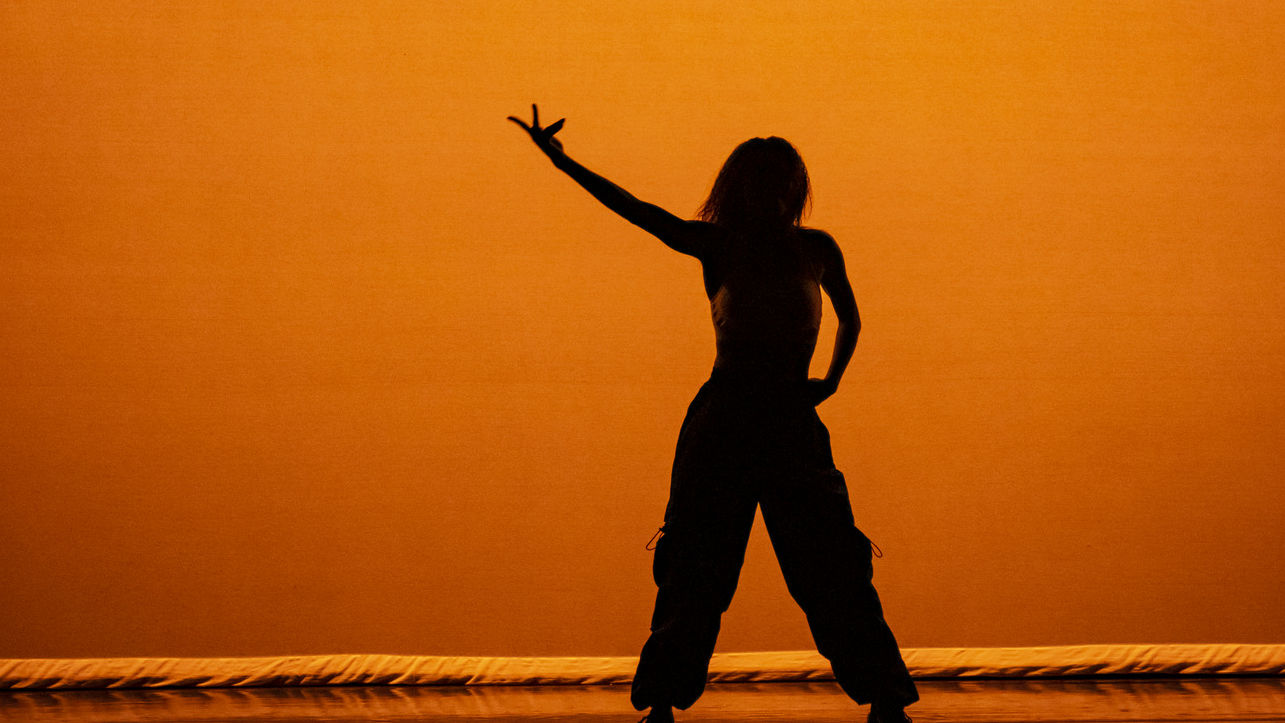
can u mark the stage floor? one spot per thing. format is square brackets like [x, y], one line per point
[1199, 699]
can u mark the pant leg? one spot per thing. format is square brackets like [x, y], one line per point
[698, 558]
[828, 569]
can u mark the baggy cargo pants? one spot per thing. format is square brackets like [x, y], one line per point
[746, 443]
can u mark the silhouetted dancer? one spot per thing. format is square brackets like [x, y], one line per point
[752, 436]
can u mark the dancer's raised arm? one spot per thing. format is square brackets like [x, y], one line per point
[680, 235]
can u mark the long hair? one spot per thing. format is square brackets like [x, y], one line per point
[763, 186]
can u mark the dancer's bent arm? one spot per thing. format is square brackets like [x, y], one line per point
[834, 280]
[680, 235]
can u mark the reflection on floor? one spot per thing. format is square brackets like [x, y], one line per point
[1171, 699]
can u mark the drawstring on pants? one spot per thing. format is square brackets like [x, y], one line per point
[655, 539]
[874, 550]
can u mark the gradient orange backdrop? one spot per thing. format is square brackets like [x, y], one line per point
[305, 349]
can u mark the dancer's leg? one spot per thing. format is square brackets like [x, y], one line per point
[827, 566]
[696, 571]
[699, 556]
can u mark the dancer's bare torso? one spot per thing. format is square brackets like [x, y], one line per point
[765, 300]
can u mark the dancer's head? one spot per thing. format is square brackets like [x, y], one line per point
[763, 185]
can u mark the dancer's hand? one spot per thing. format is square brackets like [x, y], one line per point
[820, 390]
[543, 137]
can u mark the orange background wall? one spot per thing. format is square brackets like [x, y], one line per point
[305, 349]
